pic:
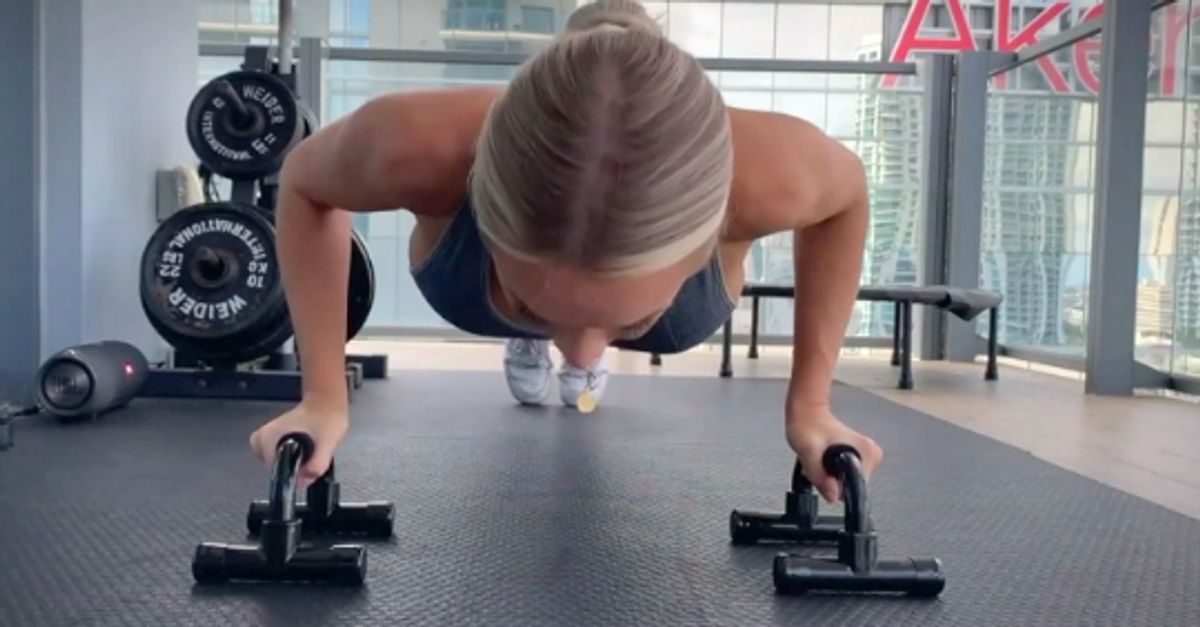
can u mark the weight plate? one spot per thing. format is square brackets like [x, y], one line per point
[310, 118]
[210, 282]
[362, 286]
[269, 339]
[243, 124]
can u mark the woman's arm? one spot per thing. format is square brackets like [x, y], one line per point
[792, 177]
[408, 151]
[402, 151]
[828, 264]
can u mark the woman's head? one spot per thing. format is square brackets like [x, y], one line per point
[608, 157]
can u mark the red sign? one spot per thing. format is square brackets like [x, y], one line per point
[1166, 50]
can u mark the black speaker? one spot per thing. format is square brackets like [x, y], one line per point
[90, 380]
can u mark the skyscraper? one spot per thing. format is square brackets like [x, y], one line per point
[1028, 180]
[889, 123]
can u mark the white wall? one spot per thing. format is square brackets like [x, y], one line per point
[114, 111]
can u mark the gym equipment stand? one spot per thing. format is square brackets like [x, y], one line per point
[372, 367]
[227, 381]
[279, 379]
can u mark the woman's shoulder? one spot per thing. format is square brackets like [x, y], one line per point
[784, 169]
[761, 138]
[432, 135]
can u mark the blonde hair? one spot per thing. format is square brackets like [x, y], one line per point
[610, 150]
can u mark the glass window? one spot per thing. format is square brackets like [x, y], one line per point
[882, 125]
[263, 12]
[802, 31]
[657, 10]
[1035, 246]
[1167, 324]
[1167, 333]
[855, 31]
[1154, 327]
[537, 19]
[696, 27]
[217, 11]
[748, 31]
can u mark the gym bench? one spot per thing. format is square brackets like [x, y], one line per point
[964, 303]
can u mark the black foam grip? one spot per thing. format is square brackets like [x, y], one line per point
[832, 456]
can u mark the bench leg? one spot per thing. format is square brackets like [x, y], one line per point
[754, 328]
[655, 359]
[992, 373]
[896, 321]
[906, 381]
[727, 350]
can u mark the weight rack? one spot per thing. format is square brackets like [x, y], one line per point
[278, 377]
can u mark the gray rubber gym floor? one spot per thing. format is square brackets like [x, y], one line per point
[511, 516]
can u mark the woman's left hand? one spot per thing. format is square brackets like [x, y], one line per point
[811, 429]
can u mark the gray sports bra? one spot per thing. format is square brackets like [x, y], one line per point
[456, 277]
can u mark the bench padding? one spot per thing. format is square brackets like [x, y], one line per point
[964, 303]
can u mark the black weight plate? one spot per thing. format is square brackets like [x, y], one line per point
[362, 286]
[251, 148]
[210, 281]
[262, 339]
[275, 331]
[309, 117]
[268, 339]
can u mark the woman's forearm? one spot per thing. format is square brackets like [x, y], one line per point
[314, 259]
[828, 258]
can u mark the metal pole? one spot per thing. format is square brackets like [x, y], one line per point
[310, 77]
[1112, 295]
[479, 57]
[966, 191]
[938, 77]
[285, 36]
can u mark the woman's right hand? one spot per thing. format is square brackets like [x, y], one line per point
[326, 427]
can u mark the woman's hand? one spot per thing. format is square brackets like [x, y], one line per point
[811, 429]
[326, 427]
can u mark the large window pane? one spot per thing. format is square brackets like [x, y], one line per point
[696, 27]
[1179, 250]
[748, 31]
[1037, 213]
[883, 125]
[1167, 329]
[802, 32]
[524, 26]
[856, 32]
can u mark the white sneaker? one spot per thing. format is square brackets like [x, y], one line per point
[528, 370]
[582, 388]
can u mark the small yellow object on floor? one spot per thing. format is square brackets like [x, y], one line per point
[587, 402]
